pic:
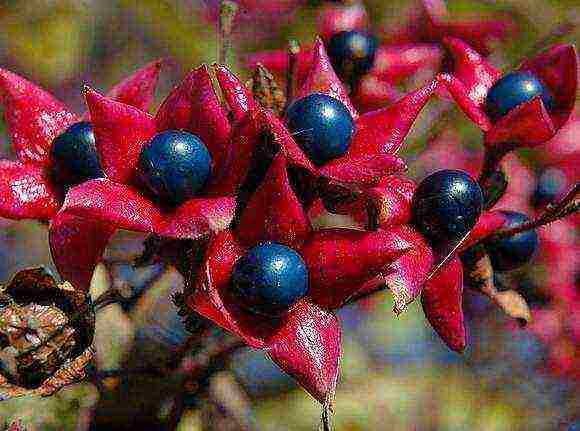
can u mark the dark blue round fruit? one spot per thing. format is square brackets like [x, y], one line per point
[515, 251]
[551, 184]
[352, 53]
[514, 89]
[321, 125]
[270, 278]
[74, 155]
[446, 205]
[175, 165]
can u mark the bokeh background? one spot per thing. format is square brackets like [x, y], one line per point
[396, 374]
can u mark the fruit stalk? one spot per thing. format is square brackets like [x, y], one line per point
[568, 205]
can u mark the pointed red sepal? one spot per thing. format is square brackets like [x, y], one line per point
[406, 276]
[194, 106]
[372, 94]
[336, 18]
[76, 245]
[391, 199]
[363, 170]
[474, 71]
[528, 124]
[384, 131]
[197, 217]
[26, 192]
[459, 93]
[138, 89]
[397, 63]
[323, 79]
[340, 261]
[33, 116]
[213, 299]
[242, 142]
[277, 62]
[274, 213]
[557, 67]
[235, 92]
[117, 204]
[442, 299]
[270, 124]
[308, 348]
[488, 223]
[121, 131]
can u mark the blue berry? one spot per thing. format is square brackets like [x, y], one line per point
[321, 125]
[446, 205]
[352, 53]
[270, 278]
[175, 165]
[514, 89]
[550, 186]
[74, 155]
[515, 251]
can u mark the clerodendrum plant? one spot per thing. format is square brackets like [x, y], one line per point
[234, 186]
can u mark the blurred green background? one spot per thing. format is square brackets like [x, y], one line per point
[396, 374]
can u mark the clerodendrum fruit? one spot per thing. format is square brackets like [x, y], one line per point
[352, 53]
[270, 278]
[74, 155]
[446, 205]
[515, 251]
[550, 185]
[175, 165]
[321, 125]
[514, 89]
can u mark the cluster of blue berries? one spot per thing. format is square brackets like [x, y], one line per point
[176, 165]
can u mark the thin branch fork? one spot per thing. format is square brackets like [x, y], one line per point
[567, 206]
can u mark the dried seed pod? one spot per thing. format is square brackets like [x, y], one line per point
[266, 91]
[46, 332]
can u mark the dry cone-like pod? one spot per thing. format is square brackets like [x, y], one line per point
[480, 276]
[46, 334]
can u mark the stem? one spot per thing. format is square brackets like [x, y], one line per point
[228, 10]
[493, 157]
[293, 51]
[568, 205]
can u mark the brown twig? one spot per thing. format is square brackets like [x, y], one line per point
[228, 11]
[293, 51]
[569, 204]
[492, 158]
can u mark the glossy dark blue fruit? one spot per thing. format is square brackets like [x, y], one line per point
[321, 125]
[551, 184]
[446, 205]
[352, 53]
[514, 89]
[175, 165]
[515, 251]
[270, 278]
[74, 155]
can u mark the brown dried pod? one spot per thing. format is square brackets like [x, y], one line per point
[46, 334]
[266, 91]
[479, 276]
